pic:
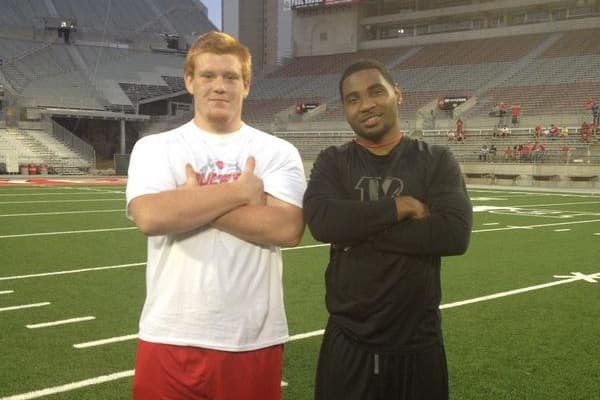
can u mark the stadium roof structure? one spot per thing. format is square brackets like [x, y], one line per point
[73, 112]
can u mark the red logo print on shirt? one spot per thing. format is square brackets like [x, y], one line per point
[215, 172]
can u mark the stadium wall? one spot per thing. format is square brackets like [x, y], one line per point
[488, 33]
[328, 32]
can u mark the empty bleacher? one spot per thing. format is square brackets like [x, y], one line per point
[496, 50]
[23, 146]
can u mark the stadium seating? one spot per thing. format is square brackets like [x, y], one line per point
[547, 74]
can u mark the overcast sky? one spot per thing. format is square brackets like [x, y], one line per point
[214, 11]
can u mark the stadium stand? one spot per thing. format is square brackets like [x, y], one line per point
[120, 65]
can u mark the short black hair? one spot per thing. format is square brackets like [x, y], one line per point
[363, 64]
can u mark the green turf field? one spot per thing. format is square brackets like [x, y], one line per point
[513, 329]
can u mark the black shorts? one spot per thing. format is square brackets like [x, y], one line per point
[348, 371]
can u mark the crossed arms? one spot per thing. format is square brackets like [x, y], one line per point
[439, 225]
[240, 208]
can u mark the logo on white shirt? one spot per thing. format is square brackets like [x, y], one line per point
[215, 172]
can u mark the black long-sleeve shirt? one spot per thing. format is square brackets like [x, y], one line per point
[383, 278]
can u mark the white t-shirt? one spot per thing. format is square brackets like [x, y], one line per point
[208, 288]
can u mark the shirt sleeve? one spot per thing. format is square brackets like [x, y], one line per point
[149, 169]
[448, 229]
[283, 174]
[331, 217]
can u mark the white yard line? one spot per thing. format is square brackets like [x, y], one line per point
[61, 322]
[548, 192]
[62, 213]
[6, 291]
[20, 235]
[576, 276]
[310, 246]
[513, 227]
[306, 335]
[123, 229]
[12, 194]
[101, 342]
[125, 374]
[557, 204]
[70, 386]
[72, 271]
[122, 200]
[33, 305]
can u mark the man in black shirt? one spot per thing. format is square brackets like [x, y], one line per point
[391, 207]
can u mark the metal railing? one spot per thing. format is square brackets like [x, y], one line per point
[84, 149]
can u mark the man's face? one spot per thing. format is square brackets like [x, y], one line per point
[219, 91]
[371, 105]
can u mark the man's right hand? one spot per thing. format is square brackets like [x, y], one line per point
[409, 207]
[191, 179]
[252, 186]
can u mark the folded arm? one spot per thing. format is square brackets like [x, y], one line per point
[192, 206]
[445, 228]
[444, 232]
[333, 219]
[273, 223]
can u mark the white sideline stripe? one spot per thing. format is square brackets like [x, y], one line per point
[59, 201]
[46, 303]
[511, 227]
[17, 194]
[105, 341]
[6, 291]
[306, 335]
[73, 271]
[61, 322]
[536, 226]
[310, 246]
[285, 249]
[62, 213]
[132, 337]
[71, 386]
[577, 203]
[510, 293]
[66, 232]
[537, 193]
[126, 374]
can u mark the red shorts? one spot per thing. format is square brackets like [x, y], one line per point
[167, 372]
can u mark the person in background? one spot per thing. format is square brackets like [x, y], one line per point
[537, 131]
[451, 136]
[483, 152]
[553, 131]
[217, 199]
[460, 125]
[586, 132]
[596, 113]
[391, 207]
[516, 115]
[508, 154]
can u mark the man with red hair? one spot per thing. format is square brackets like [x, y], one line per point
[217, 199]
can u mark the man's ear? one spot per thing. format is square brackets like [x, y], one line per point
[398, 94]
[188, 80]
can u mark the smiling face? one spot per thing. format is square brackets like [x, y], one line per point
[219, 90]
[371, 105]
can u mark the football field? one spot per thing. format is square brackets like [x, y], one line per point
[521, 309]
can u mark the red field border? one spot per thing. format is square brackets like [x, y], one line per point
[62, 181]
